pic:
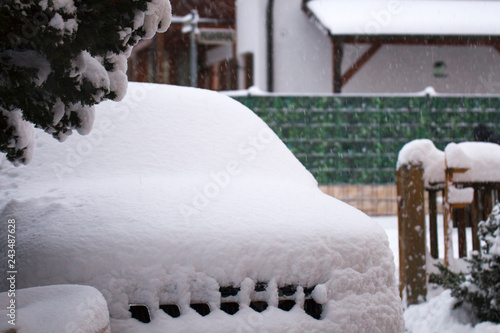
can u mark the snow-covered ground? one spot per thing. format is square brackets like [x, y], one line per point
[437, 314]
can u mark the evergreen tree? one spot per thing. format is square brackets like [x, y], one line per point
[58, 58]
[481, 288]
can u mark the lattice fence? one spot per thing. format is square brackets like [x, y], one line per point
[349, 142]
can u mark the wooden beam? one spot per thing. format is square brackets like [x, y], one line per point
[337, 53]
[420, 39]
[497, 47]
[363, 59]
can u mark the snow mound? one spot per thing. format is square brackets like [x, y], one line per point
[60, 308]
[424, 152]
[482, 159]
[438, 315]
[177, 192]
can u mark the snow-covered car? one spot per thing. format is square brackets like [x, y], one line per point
[189, 214]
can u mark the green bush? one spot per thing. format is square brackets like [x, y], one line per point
[481, 289]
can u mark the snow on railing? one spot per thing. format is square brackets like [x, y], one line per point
[467, 175]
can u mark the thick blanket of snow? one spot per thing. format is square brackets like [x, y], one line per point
[178, 191]
[394, 17]
[59, 308]
[424, 152]
[438, 315]
[482, 159]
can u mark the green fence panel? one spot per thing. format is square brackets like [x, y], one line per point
[356, 140]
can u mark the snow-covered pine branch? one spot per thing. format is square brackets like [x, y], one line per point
[58, 58]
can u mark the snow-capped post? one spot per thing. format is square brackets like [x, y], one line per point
[411, 225]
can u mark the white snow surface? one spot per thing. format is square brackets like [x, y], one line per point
[178, 191]
[58, 308]
[424, 152]
[394, 17]
[438, 315]
[460, 195]
[481, 158]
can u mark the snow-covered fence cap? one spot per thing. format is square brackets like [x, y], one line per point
[424, 152]
[481, 159]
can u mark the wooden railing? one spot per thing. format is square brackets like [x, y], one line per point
[460, 210]
[485, 195]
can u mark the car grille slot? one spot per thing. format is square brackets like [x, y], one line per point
[202, 308]
[230, 307]
[171, 309]
[312, 308]
[287, 296]
[286, 304]
[228, 291]
[140, 312]
[259, 306]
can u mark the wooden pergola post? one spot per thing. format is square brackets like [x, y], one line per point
[411, 227]
[337, 54]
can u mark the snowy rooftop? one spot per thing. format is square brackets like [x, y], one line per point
[421, 17]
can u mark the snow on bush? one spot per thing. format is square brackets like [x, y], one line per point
[440, 315]
[59, 58]
[481, 288]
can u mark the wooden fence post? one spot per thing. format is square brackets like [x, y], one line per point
[411, 225]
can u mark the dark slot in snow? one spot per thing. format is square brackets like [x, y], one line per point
[230, 307]
[312, 308]
[202, 308]
[171, 309]
[286, 304]
[259, 306]
[140, 312]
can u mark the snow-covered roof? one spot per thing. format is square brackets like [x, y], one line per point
[419, 17]
[178, 191]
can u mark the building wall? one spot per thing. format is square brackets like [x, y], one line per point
[303, 56]
[302, 52]
[251, 37]
[469, 70]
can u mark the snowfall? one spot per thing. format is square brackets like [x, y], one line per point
[177, 192]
